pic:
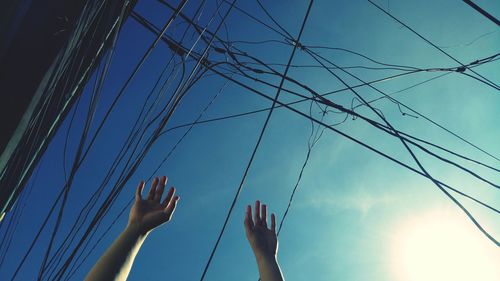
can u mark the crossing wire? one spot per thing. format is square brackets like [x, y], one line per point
[427, 118]
[138, 66]
[126, 174]
[492, 84]
[396, 134]
[281, 88]
[240, 187]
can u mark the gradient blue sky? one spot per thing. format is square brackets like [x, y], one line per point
[353, 209]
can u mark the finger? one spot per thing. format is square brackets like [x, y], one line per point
[248, 219]
[264, 215]
[152, 190]
[167, 200]
[159, 189]
[273, 223]
[164, 180]
[257, 212]
[138, 191]
[169, 210]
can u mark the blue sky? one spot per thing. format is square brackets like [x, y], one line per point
[354, 211]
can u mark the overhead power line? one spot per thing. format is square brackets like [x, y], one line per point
[482, 12]
[250, 161]
[492, 84]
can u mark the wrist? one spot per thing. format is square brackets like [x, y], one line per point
[265, 257]
[135, 230]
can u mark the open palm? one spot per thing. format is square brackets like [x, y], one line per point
[263, 240]
[151, 212]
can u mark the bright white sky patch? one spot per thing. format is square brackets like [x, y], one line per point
[443, 246]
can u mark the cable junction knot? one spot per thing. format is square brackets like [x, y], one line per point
[295, 42]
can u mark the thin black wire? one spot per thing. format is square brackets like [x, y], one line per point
[34, 181]
[240, 187]
[482, 12]
[423, 169]
[397, 66]
[255, 19]
[304, 48]
[344, 67]
[122, 154]
[101, 212]
[14, 220]
[396, 133]
[406, 88]
[385, 95]
[298, 101]
[470, 42]
[384, 79]
[255, 42]
[89, 205]
[353, 139]
[469, 215]
[126, 206]
[97, 194]
[91, 112]
[122, 211]
[438, 69]
[57, 224]
[48, 91]
[306, 99]
[9, 232]
[418, 113]
[492, 84]
[273, 20]
[386, 128]
[426, 118]
[66, 140]
[181, 5]
[154, 119]
[404, 142]
[115, 191]
[139, 116]
[78, 224]
[313, 140]
[105, 207]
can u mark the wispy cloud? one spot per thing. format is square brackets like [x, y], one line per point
[360, 201]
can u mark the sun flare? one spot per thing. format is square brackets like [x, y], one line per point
[443, 246]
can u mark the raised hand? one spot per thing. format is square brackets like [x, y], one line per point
[149, 213]
[263, 240]
[145, 215]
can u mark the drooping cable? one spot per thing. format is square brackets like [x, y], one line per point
[469, 215]
[240, 187]
[490, 83]
[178, 10]
[103, 210]
[404, 142]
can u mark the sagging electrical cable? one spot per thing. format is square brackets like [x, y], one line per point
[240, 187]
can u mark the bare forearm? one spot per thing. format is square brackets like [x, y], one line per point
[269, 269]
[117, 261]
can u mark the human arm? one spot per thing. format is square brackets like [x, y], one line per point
[145, 215]
[264, 242]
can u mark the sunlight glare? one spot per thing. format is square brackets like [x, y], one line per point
[443, 246]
